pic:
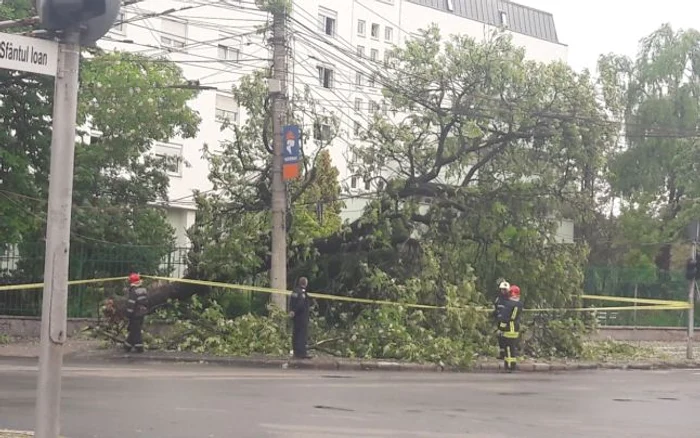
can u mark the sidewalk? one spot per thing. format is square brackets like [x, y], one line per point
[90, 351]
[30, 349]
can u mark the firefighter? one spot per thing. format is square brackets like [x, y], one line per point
[498, 303]
[136, 310]
[509, 327]
[299, 312]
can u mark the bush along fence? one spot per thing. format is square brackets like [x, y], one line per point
[25, 264]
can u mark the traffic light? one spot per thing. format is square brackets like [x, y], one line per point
[691, 270]
[95, 17]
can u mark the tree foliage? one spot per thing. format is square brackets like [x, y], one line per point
[486, 153]
[482, 155]
[656, 174]
[231, 235]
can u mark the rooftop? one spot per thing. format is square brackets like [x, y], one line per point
[521, 19]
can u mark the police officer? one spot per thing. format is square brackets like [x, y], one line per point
[498, 304]
[299, 311]
[136, 310]
[509, 327]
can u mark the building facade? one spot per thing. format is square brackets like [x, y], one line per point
[216, 43]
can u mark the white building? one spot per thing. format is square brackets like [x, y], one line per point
[216, 42]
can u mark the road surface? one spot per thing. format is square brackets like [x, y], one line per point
[192, 401]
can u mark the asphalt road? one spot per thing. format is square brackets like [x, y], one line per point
[192, 401]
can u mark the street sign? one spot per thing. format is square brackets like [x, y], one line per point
[291, 152]
[32, 55]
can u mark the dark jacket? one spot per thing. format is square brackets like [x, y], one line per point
[299, 303]
[137, 302]
[509, 318]
[498, 304]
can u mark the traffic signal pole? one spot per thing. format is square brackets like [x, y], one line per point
[55, 298]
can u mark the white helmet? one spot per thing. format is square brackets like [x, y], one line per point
[504, 285]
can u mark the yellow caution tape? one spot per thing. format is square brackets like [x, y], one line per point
[31, 286]
[634, 300]
[657, 304]
[648, 304]
[609, 309]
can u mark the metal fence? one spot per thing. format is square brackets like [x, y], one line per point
[640, 283]
[25, 264]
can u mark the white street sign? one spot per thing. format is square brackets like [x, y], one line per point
[28, 54]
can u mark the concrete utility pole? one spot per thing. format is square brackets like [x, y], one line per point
[55, 298]
[691, 295]
[278, 95]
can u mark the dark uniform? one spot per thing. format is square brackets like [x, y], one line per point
[509, 331]
[498, 304]
[299, 304]
[136, 310]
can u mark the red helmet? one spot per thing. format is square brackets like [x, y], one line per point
[514, 291]
[134, 278]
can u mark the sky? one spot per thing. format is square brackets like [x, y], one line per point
[593, 27]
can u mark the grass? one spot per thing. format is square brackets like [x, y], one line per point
[613, 351]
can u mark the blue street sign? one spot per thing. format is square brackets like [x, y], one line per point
[291, 144]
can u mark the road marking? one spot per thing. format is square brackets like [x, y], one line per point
[221, 411]
[299, 431]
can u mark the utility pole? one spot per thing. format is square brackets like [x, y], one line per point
[55, 298]
[691, 294]
[278, 96]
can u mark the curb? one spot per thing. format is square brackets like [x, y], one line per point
[331, 364]
[385, 365]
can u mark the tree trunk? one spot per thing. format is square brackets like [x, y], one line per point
[114, 309]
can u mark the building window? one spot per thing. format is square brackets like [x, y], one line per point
[327, 21]
[373, 107]
[389, 34]
[325, 77]
[322, 131]
[450, 5]
[358, 80]
[353, 182]
[368, 184]
[227, 53]
[388, 58]
[226, 109]
[504, 18]
[356, 128]
[374, 54]
[358, 104]
[375, 31]
[174, 33]
[173, 153]
[361, 27]
[372, 80]
[361, 51]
